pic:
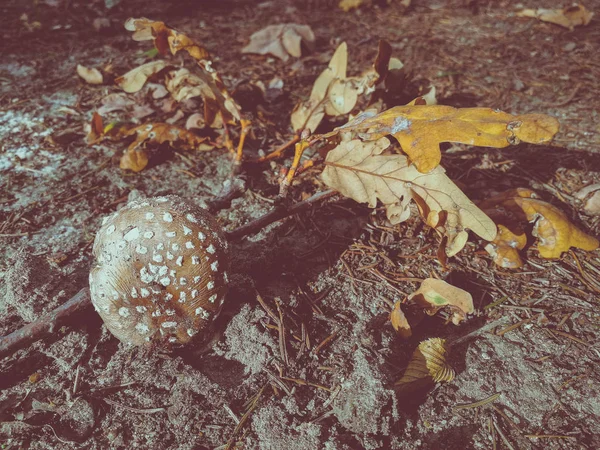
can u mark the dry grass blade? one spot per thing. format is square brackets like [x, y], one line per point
[485, 401]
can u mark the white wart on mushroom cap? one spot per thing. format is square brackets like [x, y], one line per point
[160, 272]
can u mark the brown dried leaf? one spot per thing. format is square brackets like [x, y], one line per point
[399, 321]
[184, 85]
[359, 171]
[280, 40]
[333, 94]
[434, 294]
[420, 129]
[135, 79]
[427, 365]
[96, 130]
[309, 114]
[136, 158]
[91, 76]
[569, 17]
[165, 38]
[552, 227]
[117, 101]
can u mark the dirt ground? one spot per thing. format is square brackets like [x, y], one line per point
[332, 271]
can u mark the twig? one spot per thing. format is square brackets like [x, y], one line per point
[45, 325]
[278, 213]
[232, 188]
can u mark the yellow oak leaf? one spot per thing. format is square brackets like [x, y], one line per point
[421, 128]
[555, 233]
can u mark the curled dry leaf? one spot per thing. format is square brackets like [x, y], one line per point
[167, 39]
[334, 94]
[590, 195]
[184, 85]
[135, 79]
[427, 365]
[515, 207]
[421, 128]
[434, 294]
[569, 17]
[115, 102]
[91, 76]
[505, 247]
[399, 321]
[136, 157]
[360, 171]
[555, 233]
[280, 40]
[96, 130]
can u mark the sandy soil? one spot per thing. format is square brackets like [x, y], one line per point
[533, 340]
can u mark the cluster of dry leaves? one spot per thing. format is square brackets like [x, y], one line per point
[179, 88]
[379, 156]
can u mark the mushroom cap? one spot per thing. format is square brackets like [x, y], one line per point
[160, 271]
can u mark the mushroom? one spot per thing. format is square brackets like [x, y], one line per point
[160, 271]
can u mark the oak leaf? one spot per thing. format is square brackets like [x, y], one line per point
[427, 365]
[555, 233]
[569, 17]
[421, 128]
[136, 157]
[135, 79]
[280, 40]
[359, 170]
[512, 208]
[434, 294]
[91, 76]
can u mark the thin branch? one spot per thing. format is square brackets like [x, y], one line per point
[277, 213]
[45, 325]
